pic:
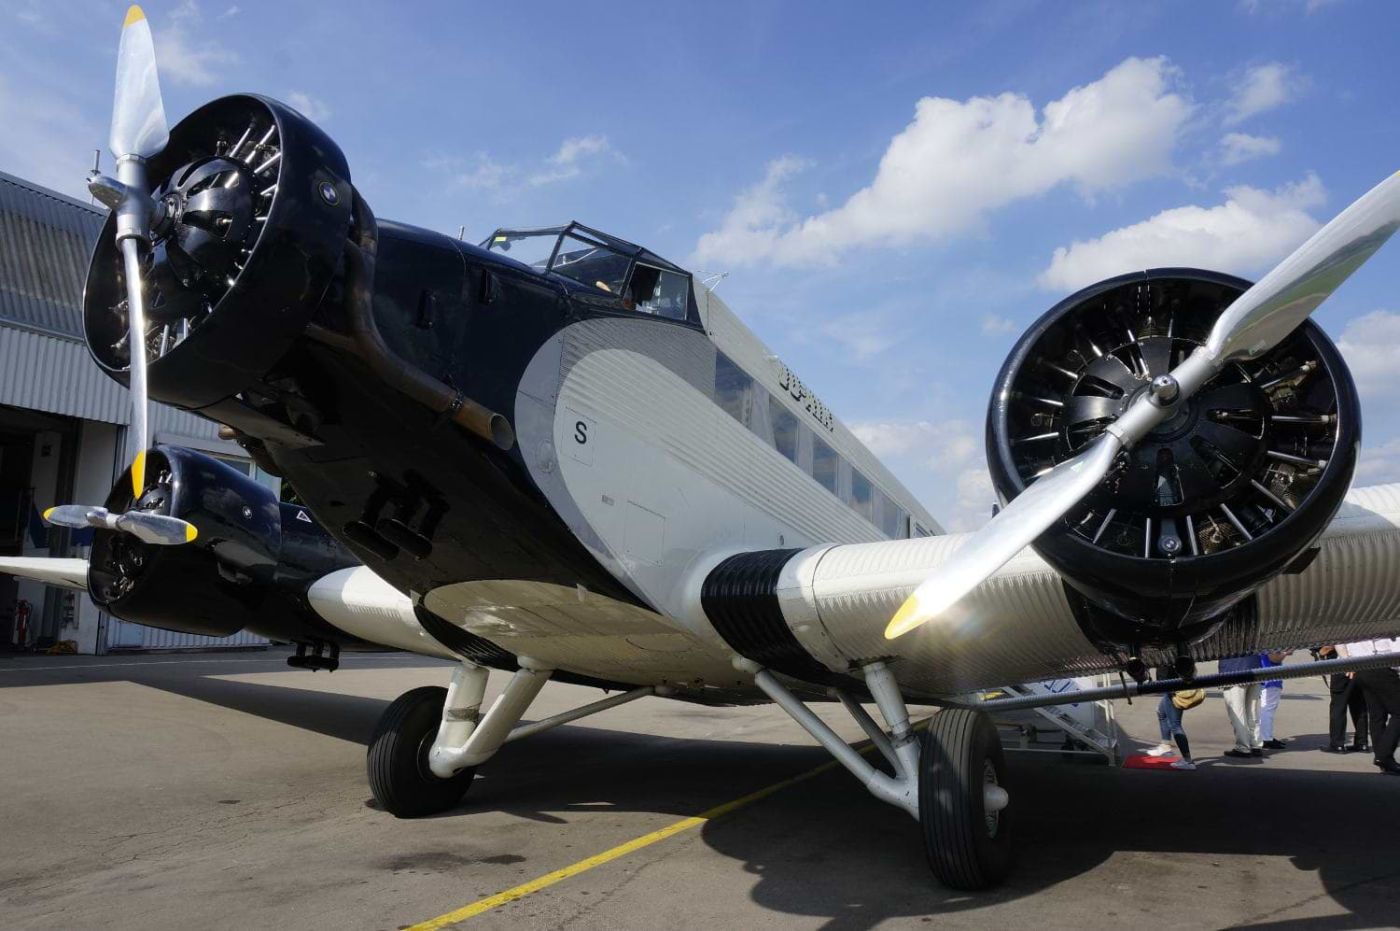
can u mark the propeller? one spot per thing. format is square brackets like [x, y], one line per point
[1256, 322]
[143, 525]
[139, 133]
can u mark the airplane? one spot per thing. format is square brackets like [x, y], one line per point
[557, 455]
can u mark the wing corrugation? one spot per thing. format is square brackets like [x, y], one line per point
[1017, 626]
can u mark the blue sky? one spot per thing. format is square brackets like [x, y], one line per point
[895, 190]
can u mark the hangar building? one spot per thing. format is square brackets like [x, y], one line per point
[63, 423]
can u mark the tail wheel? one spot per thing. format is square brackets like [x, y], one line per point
[963, 810]
[399, 776]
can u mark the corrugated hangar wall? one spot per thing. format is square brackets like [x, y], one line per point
[59, 412]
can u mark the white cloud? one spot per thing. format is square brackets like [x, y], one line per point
[184, 58]
[1309, 6]
[481, 171]
[1263, 87]
[47, 139]
[994, 325]
[1247, 233]
[958, 160]
[944, 444]
[313, 108]
[975, 499]
[862, 335]
[1371, 345]
[1378, 465]
[571, 159]
[1237, 148]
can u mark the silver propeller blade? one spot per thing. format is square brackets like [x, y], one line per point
[138, 433]
[138, 114]
[1256, 322]
[138, 133]
[151, 528]
[1018, 524]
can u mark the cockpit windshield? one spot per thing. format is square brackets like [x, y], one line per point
[640, 280]
[591, 263]
[533, 249]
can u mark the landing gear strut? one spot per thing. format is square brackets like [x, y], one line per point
[428, 744]
[952, 779]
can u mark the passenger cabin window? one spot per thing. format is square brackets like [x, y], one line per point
[659, 292]
[734, 389]
[591, 263]
[826, 465]
[785, 428]
[862, 499]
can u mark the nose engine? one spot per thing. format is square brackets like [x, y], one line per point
[1228, 492]
[252, 208]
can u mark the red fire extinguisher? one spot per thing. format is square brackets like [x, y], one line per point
[22, 609]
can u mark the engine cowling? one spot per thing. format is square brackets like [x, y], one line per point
[254, 204]
[249, 567]
[1213, 503]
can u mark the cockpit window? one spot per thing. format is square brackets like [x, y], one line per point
[591, 263]
[534, 249]
[656, 291]
[639, 280]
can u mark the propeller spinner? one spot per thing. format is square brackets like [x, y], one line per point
[1256, 322]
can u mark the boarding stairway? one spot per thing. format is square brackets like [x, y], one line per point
[1083, 729]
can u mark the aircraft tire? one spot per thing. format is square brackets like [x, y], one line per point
[966, 848]
[399, 776]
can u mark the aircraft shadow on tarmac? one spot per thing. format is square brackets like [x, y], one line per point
[825, 849]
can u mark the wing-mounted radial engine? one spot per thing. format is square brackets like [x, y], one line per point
[249, 567]
[1227, 492]
[251, 205]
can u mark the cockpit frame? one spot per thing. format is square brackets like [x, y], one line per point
[622, 299]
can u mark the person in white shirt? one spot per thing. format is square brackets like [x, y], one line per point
[1382, 688]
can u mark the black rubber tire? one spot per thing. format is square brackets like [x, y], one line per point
[399, 776]
[964, 851]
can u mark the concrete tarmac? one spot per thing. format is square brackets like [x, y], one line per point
[228, 791]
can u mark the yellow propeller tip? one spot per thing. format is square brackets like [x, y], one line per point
[138, 473]
[48, 511]
[134, 14]
[903, 620]
[190, 533]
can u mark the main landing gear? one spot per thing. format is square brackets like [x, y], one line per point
[426, 748]
[952, 779]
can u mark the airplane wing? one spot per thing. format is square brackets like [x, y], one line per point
[826, 608]
[60, 573]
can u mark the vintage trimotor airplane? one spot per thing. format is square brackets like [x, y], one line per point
[557, 455]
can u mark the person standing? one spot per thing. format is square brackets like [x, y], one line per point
[1382, 688]
[1242, 705]
[1169, 711]
[1347, 696]
[1271, 692]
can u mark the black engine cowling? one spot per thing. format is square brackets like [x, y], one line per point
[249, 567]
[254, 207]
[1212, 504]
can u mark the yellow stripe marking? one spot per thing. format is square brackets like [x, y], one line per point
[621, 850]
[134, 14]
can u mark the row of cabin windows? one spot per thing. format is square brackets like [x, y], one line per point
[767, 417]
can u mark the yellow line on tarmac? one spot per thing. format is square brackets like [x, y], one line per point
[621, 850]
